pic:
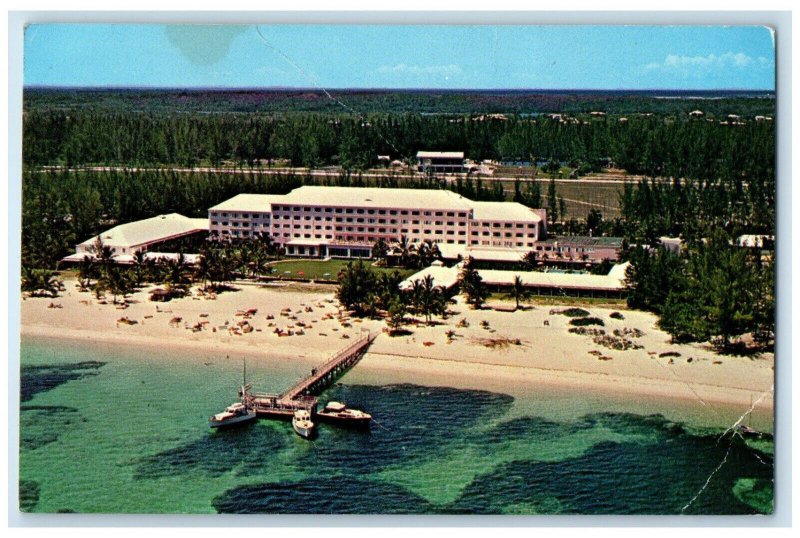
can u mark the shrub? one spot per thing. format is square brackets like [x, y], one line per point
[582, 322]
[571, 312]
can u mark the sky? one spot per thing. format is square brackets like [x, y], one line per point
[376, 56]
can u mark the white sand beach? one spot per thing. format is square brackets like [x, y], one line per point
[489, 349]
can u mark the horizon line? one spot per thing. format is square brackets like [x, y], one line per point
[379, 89]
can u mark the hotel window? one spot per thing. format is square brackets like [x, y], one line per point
[235, 224]
[451, 214]
[213, 223]
[393, 212]
[415, 213]
[337, 210]
[318, 210]
[427, 213]
[328, 237]
[224, 214]
[450, 241]
[439, 223]
[370, 211]
[307, 236]
[317, 236]
[360, 211]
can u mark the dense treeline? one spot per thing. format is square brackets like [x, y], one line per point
[650, 145]
[397, 101]
[694, 209]
[712, 290]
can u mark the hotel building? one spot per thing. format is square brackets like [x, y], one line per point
[346, 221]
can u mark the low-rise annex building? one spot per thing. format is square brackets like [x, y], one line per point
[345, 222]
[125, 240]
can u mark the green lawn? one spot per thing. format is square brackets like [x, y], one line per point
[318, 269]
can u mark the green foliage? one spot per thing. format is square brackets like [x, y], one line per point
[39, 282]
[472, 286]
[357, 287]
[714, 291]
[518, 291]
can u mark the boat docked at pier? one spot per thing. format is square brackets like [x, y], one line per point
[302, 424]
[234, 414]
[339, 413]
[239, 412]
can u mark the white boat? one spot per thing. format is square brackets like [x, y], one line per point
[237, 413]
[339, 413]
[301, 422]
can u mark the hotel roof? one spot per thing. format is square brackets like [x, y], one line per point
[440, 155]
[150, 230]
[376, 197]
[249, 202]
[505, 211]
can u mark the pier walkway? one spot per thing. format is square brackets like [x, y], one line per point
[302, 394]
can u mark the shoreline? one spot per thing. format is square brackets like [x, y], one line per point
[512, 352]
[431, 371]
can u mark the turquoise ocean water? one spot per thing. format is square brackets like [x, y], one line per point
[110, 430]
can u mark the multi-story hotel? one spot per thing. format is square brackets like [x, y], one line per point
[346, 221]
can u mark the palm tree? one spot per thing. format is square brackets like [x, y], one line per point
[177, 274]
[518, 291]
[39, 282]
[139, 267]
[406, 251]
[86, 272]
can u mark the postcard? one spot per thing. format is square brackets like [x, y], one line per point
[372, 269]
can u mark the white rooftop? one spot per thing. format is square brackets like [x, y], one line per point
[614, 280]
[443, 277]
[376, 197]
[155, 229]
[446, 277]
[249, 202]
[440, 155]
[506, 211]
[453, 251]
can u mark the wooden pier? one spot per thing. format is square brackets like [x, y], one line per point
[302, 395]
